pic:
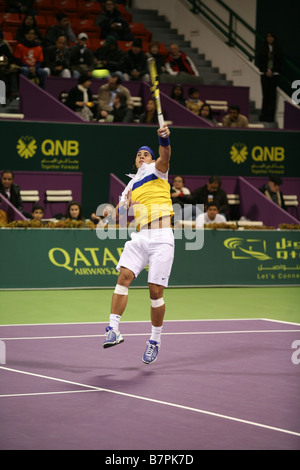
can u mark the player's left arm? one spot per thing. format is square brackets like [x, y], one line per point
[164, 150]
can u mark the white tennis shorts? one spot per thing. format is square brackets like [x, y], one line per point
[155, 247]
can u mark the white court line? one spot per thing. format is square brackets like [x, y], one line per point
[160, 402]
[147, 334]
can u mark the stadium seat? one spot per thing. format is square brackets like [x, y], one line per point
[124, 45]
[291, 201]
[85, 25]
[29, 195]
[44, 6]
[125, 13]
[53, 197]
[69, 7]
[12, 19]
[90, 10]
[139, 31]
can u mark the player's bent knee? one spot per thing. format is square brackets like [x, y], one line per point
[121, 290]
[157, 302]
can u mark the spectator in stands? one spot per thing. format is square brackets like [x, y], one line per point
[30, 57]
[178, 190]
[110, 56]
[272, 191]
[82, 59]
[120, 112]
[80, 99]
[62, 28]
[150, 115]
[135, 63]
[29, 21]
[8, 69]
[112, 22]
[179, 64]
[211, 191]
[153, 52]
[57, 59]
[23, 7]
[37, 212]
[177, 94]
[234, 118]
[74, 211]
[193, 103]
[210, 216]
[106, 217]
[207, 114]
[11, 190]
[107, 92]
[269, 61]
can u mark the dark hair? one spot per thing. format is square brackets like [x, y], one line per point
[61, 16]
[8, 171]
[36, 207]
[206, 105]
[275, 179]
[178, 85]
[234, 107]
[192, 90]
[215, 179]
[211, 204]
[117, 76]
[74, 203]
[122, 97]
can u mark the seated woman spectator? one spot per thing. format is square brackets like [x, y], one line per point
[177, 94]
[29, 21]
[74, 211]
[150, 115]
[207, 114]
[80, 99]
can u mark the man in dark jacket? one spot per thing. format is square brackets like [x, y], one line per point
[11, 190]
[120, 112]
[272, 191]
[210, 192]
[135, 64]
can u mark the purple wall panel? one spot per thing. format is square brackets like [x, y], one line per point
[38, 105]
[291, 116]
[255, 206]
[43, 181]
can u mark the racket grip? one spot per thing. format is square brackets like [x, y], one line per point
[160, 120]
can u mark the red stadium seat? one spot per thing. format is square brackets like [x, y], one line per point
[139, 31]
[69, 7]
[124, 45]
[90, 9]
[13, 19]
[85, 25]
[43, 6]
[125, 13]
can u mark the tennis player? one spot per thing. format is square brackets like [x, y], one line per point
[148, 193]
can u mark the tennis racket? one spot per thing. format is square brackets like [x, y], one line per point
[155, 89]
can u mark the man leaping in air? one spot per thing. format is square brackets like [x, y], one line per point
[148, 193]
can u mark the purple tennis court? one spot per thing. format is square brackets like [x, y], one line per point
[217, 384]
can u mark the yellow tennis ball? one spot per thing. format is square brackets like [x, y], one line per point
[100, 73]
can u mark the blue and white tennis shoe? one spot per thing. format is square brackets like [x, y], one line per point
[113, 337]
[151, 352]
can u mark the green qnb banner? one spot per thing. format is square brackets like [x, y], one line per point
[78, 258]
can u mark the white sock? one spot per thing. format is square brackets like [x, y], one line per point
[114, 321]
[155, 333]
